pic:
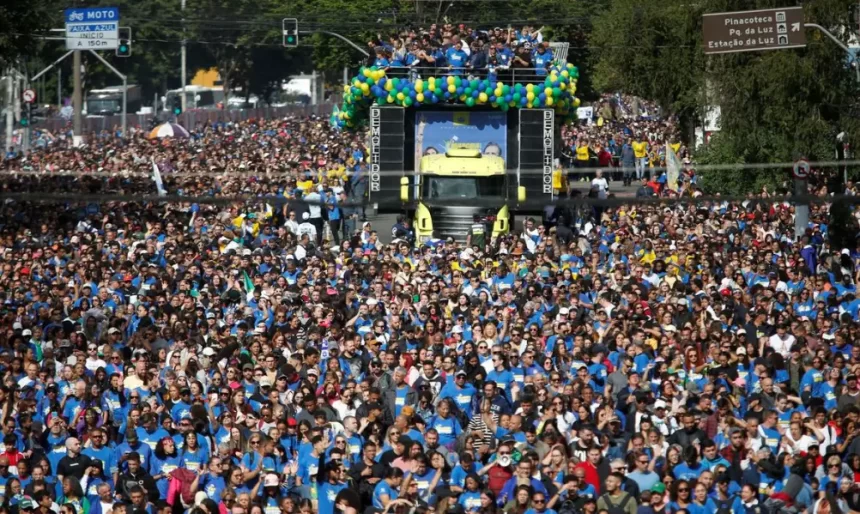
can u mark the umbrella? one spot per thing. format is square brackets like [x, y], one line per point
[168, 130]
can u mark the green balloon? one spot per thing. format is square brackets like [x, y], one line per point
[506, 89]
[517, 97]
[395, 81]
[474, 84]
[467, 91]
[407, 101]
[518, 87]
[470, 102]
[556, 92]
[458, 81]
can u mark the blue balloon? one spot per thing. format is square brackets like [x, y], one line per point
[524, 101]
[412, 93]
[381, 82]
[434, 99]
[459, 90]
[476, 94]
[493, 98]
[555, 84]
[508, 98]
[542, 97]
[447, 95]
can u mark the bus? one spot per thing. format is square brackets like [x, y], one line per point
[108, 101]
[196, 97]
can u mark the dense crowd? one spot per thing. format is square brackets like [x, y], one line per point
[459, 48]
[276, 357]
[626, 137]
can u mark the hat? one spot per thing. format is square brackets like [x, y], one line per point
[17, 325]
[670, 328]
[26, 503]
[26, 332]
[306, 216]
[457, 329]
[209, 351]
[113, 330]
[291, 422]
[271, 480]
[265, 382]
[658, 488]
[659, 404]
[741, 350]
[247, 365]
[313, 371]
[460, 373]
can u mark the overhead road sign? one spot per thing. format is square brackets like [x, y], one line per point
[92, 28]
[748, 31]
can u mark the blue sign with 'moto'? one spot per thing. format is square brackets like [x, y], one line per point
[92, 14]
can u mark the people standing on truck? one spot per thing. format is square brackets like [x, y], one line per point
[335, 217]
[456, 58]
[583, 156]
[542, 59]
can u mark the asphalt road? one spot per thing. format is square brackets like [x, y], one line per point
[382, 223]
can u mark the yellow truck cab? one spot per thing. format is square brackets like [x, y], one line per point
[444, 186]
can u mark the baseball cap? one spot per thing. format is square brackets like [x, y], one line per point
[659, 404]
[658, 488]
[113, 330]
[209, 352]
[460, 373]
[271, 480]
[27, 332]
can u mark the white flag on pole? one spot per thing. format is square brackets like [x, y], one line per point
[156, 177]
[673, 168]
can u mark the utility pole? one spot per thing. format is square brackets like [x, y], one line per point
[184, 74]
[77, 97]
[9, 115]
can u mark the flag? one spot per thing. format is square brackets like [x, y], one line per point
[249, 286]
[673, 168]
[156, 177]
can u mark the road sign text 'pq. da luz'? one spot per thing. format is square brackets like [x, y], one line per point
[92, 28]
[746, 31]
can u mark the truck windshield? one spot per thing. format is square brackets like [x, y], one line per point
[103, 105]
[463, 187]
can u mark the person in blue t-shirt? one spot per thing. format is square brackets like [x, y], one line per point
[456, 58]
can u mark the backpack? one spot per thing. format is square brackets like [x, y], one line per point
[616, 509]
[725, 506]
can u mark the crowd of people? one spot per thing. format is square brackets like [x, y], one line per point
[218, 355]
[461, 48]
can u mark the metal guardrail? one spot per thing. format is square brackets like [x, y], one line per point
[186, 119]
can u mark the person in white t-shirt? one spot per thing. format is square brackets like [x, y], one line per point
[600, 184]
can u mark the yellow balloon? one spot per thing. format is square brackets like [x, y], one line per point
[431, 86]
[482, 97]
[419, 86]
[498, 92]
[576, 102]
[380, 74]
[452, 88]
[548, 92]
[450, 80]
[572, 89]
[562, 86]
[400, 96]
[548, 101]
[419, 97]
[356, 83]
[366, 72]
[530, 87]
[346, 88]
[530, 96]
[389, 85]
[390, 99]
[565, 74]
[462, 98]
[530, 105]
[500, 85]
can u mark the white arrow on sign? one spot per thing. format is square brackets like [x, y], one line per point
[795, 27]
[28, 96]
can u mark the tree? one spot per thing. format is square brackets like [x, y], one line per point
[21, 24]
[775, 106]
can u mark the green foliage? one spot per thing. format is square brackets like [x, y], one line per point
[20, 22]
[776, 106]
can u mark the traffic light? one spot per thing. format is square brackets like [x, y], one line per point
[176, 104]
[123, 47]
[291, 32]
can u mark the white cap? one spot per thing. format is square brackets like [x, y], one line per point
[741, 350]
[209, 352]
[457, 329]
[113, 330]
[659, 404]
[27, 332]
[371, 302]
[17, 325]
[271, 480]
[306, 216]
